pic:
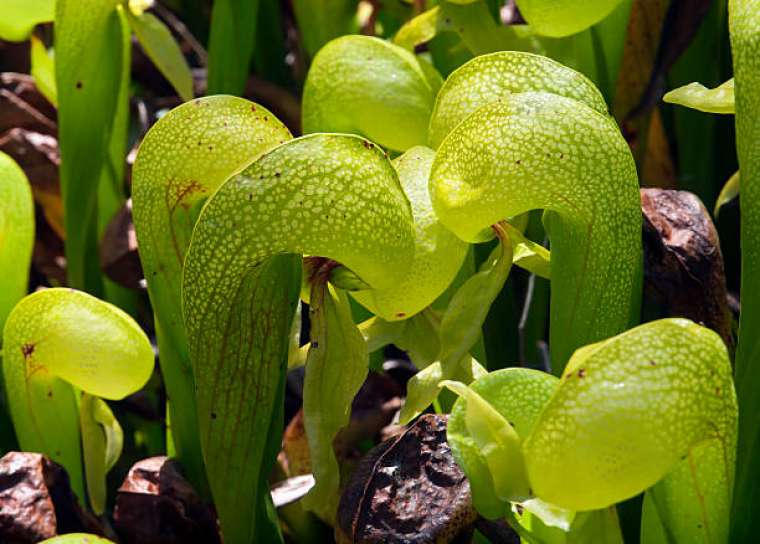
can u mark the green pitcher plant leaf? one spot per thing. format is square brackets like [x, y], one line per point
[43, 70]
[102, 442]
[728, 193]
[21, 16]
[336, 368]
[438, 252]
[77, 538]
[654, 406]
[459, 329]
[88, 68]
[163, 50]
[309, 196]
[487, 78]
[370, 87]
[558, 18]
[57, 342]
[698, 97]
[744, 30]
[16, 234]
[537, 149]
[181, 161]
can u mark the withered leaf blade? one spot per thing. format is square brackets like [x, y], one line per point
[682, 21]
[683, 264]
[118, 250]
[156, 505]
[36, 501]
[408, 489]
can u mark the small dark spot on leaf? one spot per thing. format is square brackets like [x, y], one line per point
[517, 162]
[315, 345]
[57, 453]
[253, 107]
[652, 363]
[277, 174]
[50, 394]
[211, 148]
[213, 415]
[27, 350]
[581, 372]
[400, 314]
[717, 391]
[250, 196]
[78, 85]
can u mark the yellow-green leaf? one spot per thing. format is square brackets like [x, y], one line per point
[698, 97]
[163, 50]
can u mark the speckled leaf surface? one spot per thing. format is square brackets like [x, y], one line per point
[55, 342]
[744, 28]
[539, 150]
[182, 160]
[335, 196]
[16, 234]
[488, 78]
[654, 406]
[438, 252]
[370, 87]
[627, 410]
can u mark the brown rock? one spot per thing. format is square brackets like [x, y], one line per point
[36, 501]
[683, 264]
[408, 489]
[156, 505]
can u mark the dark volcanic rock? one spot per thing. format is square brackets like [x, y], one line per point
[156, 505]
[36, 501]
[408, 489]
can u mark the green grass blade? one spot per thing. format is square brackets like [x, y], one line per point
[233, 36]
[320, 21]
[163, 50]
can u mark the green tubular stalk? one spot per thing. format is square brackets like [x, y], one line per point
[552, 148]
[16, 234]
[89, 55]
[55, 343]
[182, 160]
[308, 196]
[744, 26]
